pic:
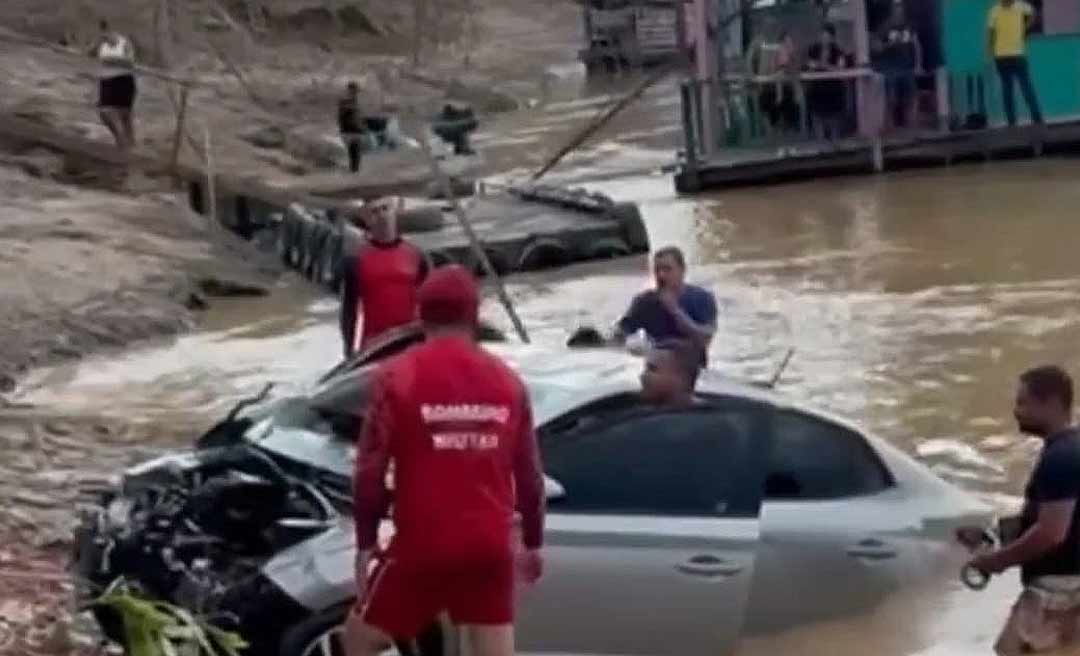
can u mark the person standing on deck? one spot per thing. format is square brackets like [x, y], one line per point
[777, 99]
[900, 60]
[351, 126]
[1007, 29]
[116, 86]
[674, 309]
[827, 99]
[380, 281]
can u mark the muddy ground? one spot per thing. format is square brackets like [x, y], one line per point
[91, 259]
[94, 260]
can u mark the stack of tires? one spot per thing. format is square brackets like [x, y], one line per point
[312, 242]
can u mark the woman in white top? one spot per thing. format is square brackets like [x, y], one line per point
[116, 87]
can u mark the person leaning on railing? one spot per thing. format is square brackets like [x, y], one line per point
[899, 58]
[777, 98]
[826, 99]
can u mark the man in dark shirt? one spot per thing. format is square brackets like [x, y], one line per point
[380, 280]
[899, 59]
[827, 99]
[674, 309]
[350, 125]
[1048, 547]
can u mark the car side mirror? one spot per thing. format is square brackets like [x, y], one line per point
[553, 490]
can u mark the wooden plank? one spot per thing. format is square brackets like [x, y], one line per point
[178, 135]
[926, 150]
[474, 242]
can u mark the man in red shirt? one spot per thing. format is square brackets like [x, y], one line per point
[381, 279]
[457, 425]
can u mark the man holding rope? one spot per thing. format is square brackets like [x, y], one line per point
[1047, 615]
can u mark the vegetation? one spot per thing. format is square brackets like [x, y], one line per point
[156, 628]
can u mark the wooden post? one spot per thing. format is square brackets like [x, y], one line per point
[178, 135]
[941, 86]
[602, 120]
[586, 14]
[682, 45]
[688, 90]
[708, 60]
[211, 192]
[444, 182]
[865, 94]
[877, 151]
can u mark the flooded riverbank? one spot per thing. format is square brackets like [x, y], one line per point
[912, 301]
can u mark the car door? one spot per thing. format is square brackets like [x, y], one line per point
[837, 534]
[650, 545]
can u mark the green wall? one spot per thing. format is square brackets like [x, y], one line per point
[1054, 62]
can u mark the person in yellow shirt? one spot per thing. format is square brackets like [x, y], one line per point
[1007, 29]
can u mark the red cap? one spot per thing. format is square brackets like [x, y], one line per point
[449, 295]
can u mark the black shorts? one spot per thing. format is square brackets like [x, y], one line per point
[117, 92]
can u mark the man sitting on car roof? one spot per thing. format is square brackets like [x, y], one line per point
[670, 375]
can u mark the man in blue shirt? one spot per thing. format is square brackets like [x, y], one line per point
[674, 309]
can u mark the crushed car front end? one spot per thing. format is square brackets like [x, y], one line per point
[198, 530]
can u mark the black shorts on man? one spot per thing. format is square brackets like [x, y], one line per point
[117, 92]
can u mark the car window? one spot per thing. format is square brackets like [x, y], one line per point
[603, 410]
[816, 459]
[690, 463]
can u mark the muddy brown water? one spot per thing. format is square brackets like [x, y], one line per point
[913, 300]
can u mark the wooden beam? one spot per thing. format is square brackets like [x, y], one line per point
[211, 186]
[474, 240]
[602, 120]
[181, 114]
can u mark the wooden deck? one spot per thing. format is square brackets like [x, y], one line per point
[748, 166]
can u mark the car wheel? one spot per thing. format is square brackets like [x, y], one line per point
[323, 634]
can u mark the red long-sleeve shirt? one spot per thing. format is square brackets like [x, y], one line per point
[457, 425]
[381, 279]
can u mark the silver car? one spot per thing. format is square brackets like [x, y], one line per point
[659, 537]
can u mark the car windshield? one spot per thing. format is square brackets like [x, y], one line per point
[320, 430]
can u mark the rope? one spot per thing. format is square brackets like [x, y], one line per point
[8, 36]
[192, 82]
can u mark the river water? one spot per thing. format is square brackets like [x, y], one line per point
[913, 301]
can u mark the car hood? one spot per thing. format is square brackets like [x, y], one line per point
[309, 447]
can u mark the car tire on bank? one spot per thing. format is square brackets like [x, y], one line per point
[633, 226]
[320, 634]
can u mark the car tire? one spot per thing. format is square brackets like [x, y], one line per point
[632, 226]
[427, 218]
[322, 634]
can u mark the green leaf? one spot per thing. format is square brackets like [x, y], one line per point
[152, 626]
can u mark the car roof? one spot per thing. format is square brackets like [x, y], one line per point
[564, 379]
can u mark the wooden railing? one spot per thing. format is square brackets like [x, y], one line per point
[729, 113]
